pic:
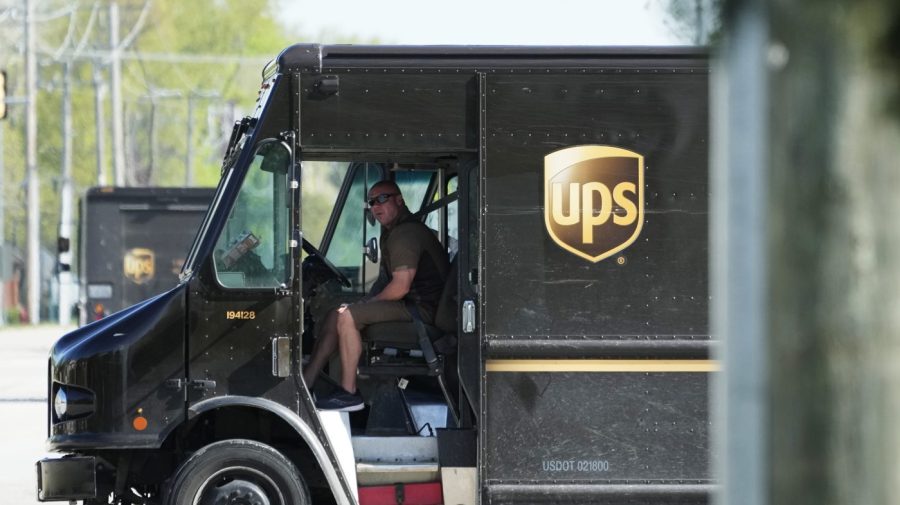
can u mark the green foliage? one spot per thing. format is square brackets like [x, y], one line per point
[158, 114]
[13, 316]
[175, 72]
[695, 21]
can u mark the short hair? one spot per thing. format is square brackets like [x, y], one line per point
[388, 185]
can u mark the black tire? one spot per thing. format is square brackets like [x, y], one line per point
[237, 472]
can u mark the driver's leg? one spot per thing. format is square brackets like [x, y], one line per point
[346, 398]
[324, 347]
[351, 320]
[350, 343]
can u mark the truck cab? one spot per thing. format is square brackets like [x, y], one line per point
[570, 361]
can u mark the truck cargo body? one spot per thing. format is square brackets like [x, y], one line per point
[133, 242]
[570, 188]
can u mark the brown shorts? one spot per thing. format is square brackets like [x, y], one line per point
[365, 314]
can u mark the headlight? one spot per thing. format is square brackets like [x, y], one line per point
[72, 402]
[60, 403]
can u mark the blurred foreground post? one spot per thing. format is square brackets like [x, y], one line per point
[825, 310]
[739, 280]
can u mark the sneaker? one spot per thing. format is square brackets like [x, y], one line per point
[341, 401]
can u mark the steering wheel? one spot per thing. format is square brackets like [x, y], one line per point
[312, 251]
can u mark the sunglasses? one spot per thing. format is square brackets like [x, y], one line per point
[380, 199]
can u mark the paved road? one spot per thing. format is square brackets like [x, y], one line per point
[23, 407]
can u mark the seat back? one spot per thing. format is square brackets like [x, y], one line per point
[447, 309]
[403, 335]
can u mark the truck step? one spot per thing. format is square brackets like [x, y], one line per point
[388, 460]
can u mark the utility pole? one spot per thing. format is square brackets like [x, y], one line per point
[65, 221]
[152, 154]
[100, 122]
[189, 156]
[153, 97]
[698, 20]
[33, 230]
[115, 54]
[4, 257]
[2, 222]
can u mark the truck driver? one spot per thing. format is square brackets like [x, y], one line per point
[414, 266]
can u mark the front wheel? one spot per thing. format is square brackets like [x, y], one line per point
[237, 472]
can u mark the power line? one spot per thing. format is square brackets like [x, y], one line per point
[106, 55]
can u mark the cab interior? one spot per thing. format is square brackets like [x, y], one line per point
[407, 398]
[403, 397]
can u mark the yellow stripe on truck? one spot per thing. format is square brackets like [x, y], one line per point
[601, 365]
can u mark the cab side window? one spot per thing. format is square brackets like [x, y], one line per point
[414, 185]
[353, 228]
[335, 218]
[433, 218]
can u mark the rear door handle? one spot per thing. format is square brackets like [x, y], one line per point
[468, 316]
[202, 384]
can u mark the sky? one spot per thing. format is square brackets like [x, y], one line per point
[483, 22]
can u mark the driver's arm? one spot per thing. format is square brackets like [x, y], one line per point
[399, 285]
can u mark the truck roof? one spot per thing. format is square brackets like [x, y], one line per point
[152, 192]
[316, 58]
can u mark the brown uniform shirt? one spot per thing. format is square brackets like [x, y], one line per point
[411, 244]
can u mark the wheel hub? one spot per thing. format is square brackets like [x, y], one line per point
[236, 492]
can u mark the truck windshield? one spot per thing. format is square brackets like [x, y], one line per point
[234, 147]
[253, 249]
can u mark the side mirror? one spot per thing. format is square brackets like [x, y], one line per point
[276, 156]
[371, 250]
[370, 218]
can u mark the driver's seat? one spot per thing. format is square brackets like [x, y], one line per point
[401, 349]
[397, 345]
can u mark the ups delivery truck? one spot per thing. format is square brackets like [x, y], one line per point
[133, 243]
[570, 358]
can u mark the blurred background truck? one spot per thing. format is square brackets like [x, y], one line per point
[132, 244]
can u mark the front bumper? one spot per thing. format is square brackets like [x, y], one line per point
[67, 478]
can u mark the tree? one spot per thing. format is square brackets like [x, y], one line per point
[697, 21]
[167, 72]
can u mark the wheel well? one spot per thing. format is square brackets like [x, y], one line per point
[254, 424]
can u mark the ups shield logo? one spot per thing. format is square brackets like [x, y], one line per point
[139, 265]
[594, 199]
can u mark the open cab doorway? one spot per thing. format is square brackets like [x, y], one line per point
[411, 405]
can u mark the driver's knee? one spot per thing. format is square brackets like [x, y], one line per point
[346, 325]
[345, 321]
